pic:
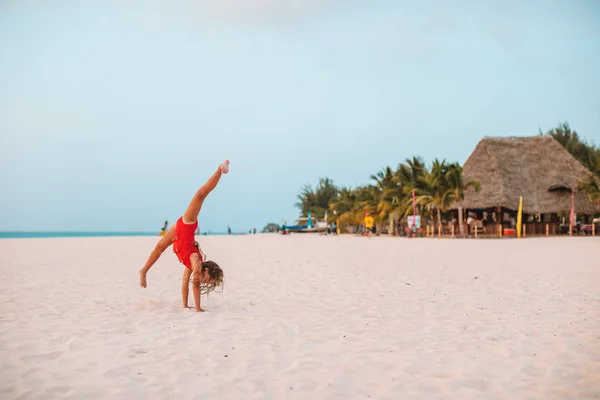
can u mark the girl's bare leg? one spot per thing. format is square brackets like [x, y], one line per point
[191, 214]
[160, 248]
[185, 286]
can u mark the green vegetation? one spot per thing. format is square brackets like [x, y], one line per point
[388, 196]
[586, 153]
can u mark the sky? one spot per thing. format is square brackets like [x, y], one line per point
[113, 113]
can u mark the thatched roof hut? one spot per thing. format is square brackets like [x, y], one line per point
[537, 168]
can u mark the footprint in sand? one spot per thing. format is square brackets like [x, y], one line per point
[9, 392]
[134, 353]
[58, 390]
[535, 371]
[480, 385]
[124, 370]
[42, 357]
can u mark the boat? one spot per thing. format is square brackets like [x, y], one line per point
[307, 225]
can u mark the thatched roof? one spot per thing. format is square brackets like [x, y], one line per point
[537, 168]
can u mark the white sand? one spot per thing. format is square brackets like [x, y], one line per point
[303, 317]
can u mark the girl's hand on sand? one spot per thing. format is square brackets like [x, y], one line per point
[224, 167]
[142, 278]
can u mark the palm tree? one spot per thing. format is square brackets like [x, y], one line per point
[367, 198]
[344, 205]
[432, 190]
[591, 186]
[317, 201]
[307, 198]
[588, 154]
[407, 177]
[409, 172]
[457, 187]
[388, 195]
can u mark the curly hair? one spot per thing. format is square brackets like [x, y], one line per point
[216, 277]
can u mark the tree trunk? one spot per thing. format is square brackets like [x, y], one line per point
[439, 218]
[461, 226]
[391, 223]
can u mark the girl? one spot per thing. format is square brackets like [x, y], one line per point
[206, 274]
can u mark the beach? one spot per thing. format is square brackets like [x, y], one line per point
[303, 317]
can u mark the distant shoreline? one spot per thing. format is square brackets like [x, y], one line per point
[75, 234]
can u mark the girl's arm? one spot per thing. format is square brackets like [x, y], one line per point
[196, 284]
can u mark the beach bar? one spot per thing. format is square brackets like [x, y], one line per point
[538, 169]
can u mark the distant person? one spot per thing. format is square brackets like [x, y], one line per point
[369, 224]
[206, 275]
[228, 230]
[470, 221]
[163, 230]
[254, 231]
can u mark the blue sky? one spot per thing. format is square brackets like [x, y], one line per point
[113, 113]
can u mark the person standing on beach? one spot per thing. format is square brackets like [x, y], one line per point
[163, 230]
[207, 275]
[369, 224]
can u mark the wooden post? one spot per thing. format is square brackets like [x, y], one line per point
[547, 229]
[593, 229]
[499, 218]
[439, 231]
[453, 230]
[476, 232]
[570, 230]
[524, 230]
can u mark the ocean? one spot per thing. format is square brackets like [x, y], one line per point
[29, 235]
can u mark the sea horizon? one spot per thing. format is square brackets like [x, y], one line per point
[75, 234]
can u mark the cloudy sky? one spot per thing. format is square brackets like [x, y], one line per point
[113, 113]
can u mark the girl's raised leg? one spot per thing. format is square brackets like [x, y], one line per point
[191, 214]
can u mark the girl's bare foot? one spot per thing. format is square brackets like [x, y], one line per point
[224, 167]
[199, 310]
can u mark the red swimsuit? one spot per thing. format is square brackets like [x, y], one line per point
[184, 243]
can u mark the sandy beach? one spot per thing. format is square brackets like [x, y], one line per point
[303, 317]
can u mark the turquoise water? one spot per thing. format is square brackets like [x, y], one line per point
[28, 235]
